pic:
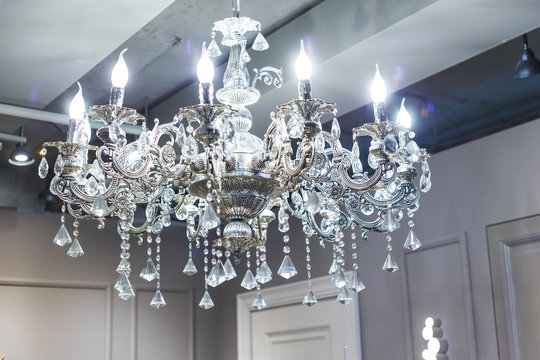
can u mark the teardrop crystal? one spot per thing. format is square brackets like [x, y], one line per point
[336, 129]
[412, 243]
[259, 303]
[314, 204]
[425, 183]
[116, 134]
[91, 187]
[390, 144]
[339, 279]
[229, 269]
[59, 165]
[181, 136]
[333, 267]
[206, 301]
[123, 267]
[190, 148]
[245, 57]
[390, 264]
[213, 49]
[344, 297]
[190, 268]
[99, 207]
[96, 171]
[264, 274]
[356, 162]
[356, 284]
[412, 152]
[75, 250]
[43, 168]
[319, 143]
[287, 269]
[143, 144]
[209, 218]
[62, 237]
[260, 43]
[309, 299]
[158, 301]
[248, 282]
[149, 271]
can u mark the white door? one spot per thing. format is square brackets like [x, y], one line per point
[289, 330]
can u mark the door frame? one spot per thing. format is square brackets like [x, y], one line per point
[290, 294]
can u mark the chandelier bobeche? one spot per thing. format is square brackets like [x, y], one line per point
[238, 178]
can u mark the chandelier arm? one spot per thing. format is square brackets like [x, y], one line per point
[304, 163]
[269, 75]
[367, 185]
[313, 223]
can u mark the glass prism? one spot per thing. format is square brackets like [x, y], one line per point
[190, 148]
[75, 250]
[43, 168]
[260, 43]
[121, 283]
[344, 297]
[229, 269]
[213, 49]
[336, 129]
[158, 301]
[245, 57]
[127, 294]
[390, 223]
[314, 204]
[412, 152]
[355, 284]
[91, 186]
[390, 145]
[209, 218]
[123, 267]
[259, 303]
[59, 165]
[264, 274]
[390, 264]
[149, 271]
[425, 183]
[333, 267]
[123, 286]
[206, 301]
[190, 268]
[248, 282]
[309, 299]
[62, 237]
[212, 278]
[181, 136]
[412, 243]
[339, 279]
[287, 269]
[99, 207]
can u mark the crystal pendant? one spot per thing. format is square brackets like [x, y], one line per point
[287, 269]
[296, 128]
[99, 207]
[258, 302]
[75, 250]
[339, 279]
[313, 204]
[373, 161]
[116, 133]
[149, 271]
[390, 224]
[144, 143]
[158, 301]
[209, 218]
[260, 43]
[229, 269]
[91, 187]
[62, 237]
[190, 268]
[124, 288]
[245, 57]
[96, 171]
[190, 147]
[390, 264]
[181, 136]
[412, 243]
[425, 183]
[356, 163]
[213, 49]
[412, 152]
[309, 299]
[217, 275]
[344, 297]
[206, 301]
[425, 169]
[319, 143]
[123, 267]
[264, 274]
[390, 144]
[335, 130]
[121, 283]
[58, 165]
[248, 282]
[43, 168]
[356, 284]
[333, 267]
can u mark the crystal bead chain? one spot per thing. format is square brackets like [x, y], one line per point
[309, 299]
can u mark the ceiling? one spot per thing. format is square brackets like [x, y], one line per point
[451, 59]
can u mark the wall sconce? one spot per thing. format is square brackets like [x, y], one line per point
[436, 345]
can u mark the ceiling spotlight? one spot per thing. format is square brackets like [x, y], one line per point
[21, 155]
[528, 65]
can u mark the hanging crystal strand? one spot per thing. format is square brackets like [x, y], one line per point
[158, 301]
[355, 284]
[340, 279]
[62, 237]
[309, 299]
[228, 267]
[75, 250]
[43, 168]
[190, 268]
[262, 277]
[334, 265]
[206, 301]
[411, 242]
[149, 272]
[123, 285]
[287, 269]
[390, 264]
[248, 282]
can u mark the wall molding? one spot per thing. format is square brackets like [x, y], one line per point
[461, 240]
[284, 295]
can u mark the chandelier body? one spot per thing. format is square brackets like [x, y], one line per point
[207, 169]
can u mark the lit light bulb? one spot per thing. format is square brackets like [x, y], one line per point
[378, 88]
[403, 117]
[205, 68]
[120, 74]
[303, 64]
[77, 106]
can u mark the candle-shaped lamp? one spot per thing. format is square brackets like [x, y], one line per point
[119, 79]
[79, 127]
[403, 118]
[378, 96]
[205, 73]
[303, 71]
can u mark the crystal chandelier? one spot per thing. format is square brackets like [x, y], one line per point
[207, 169]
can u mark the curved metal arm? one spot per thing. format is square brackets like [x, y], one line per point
[305, 160]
